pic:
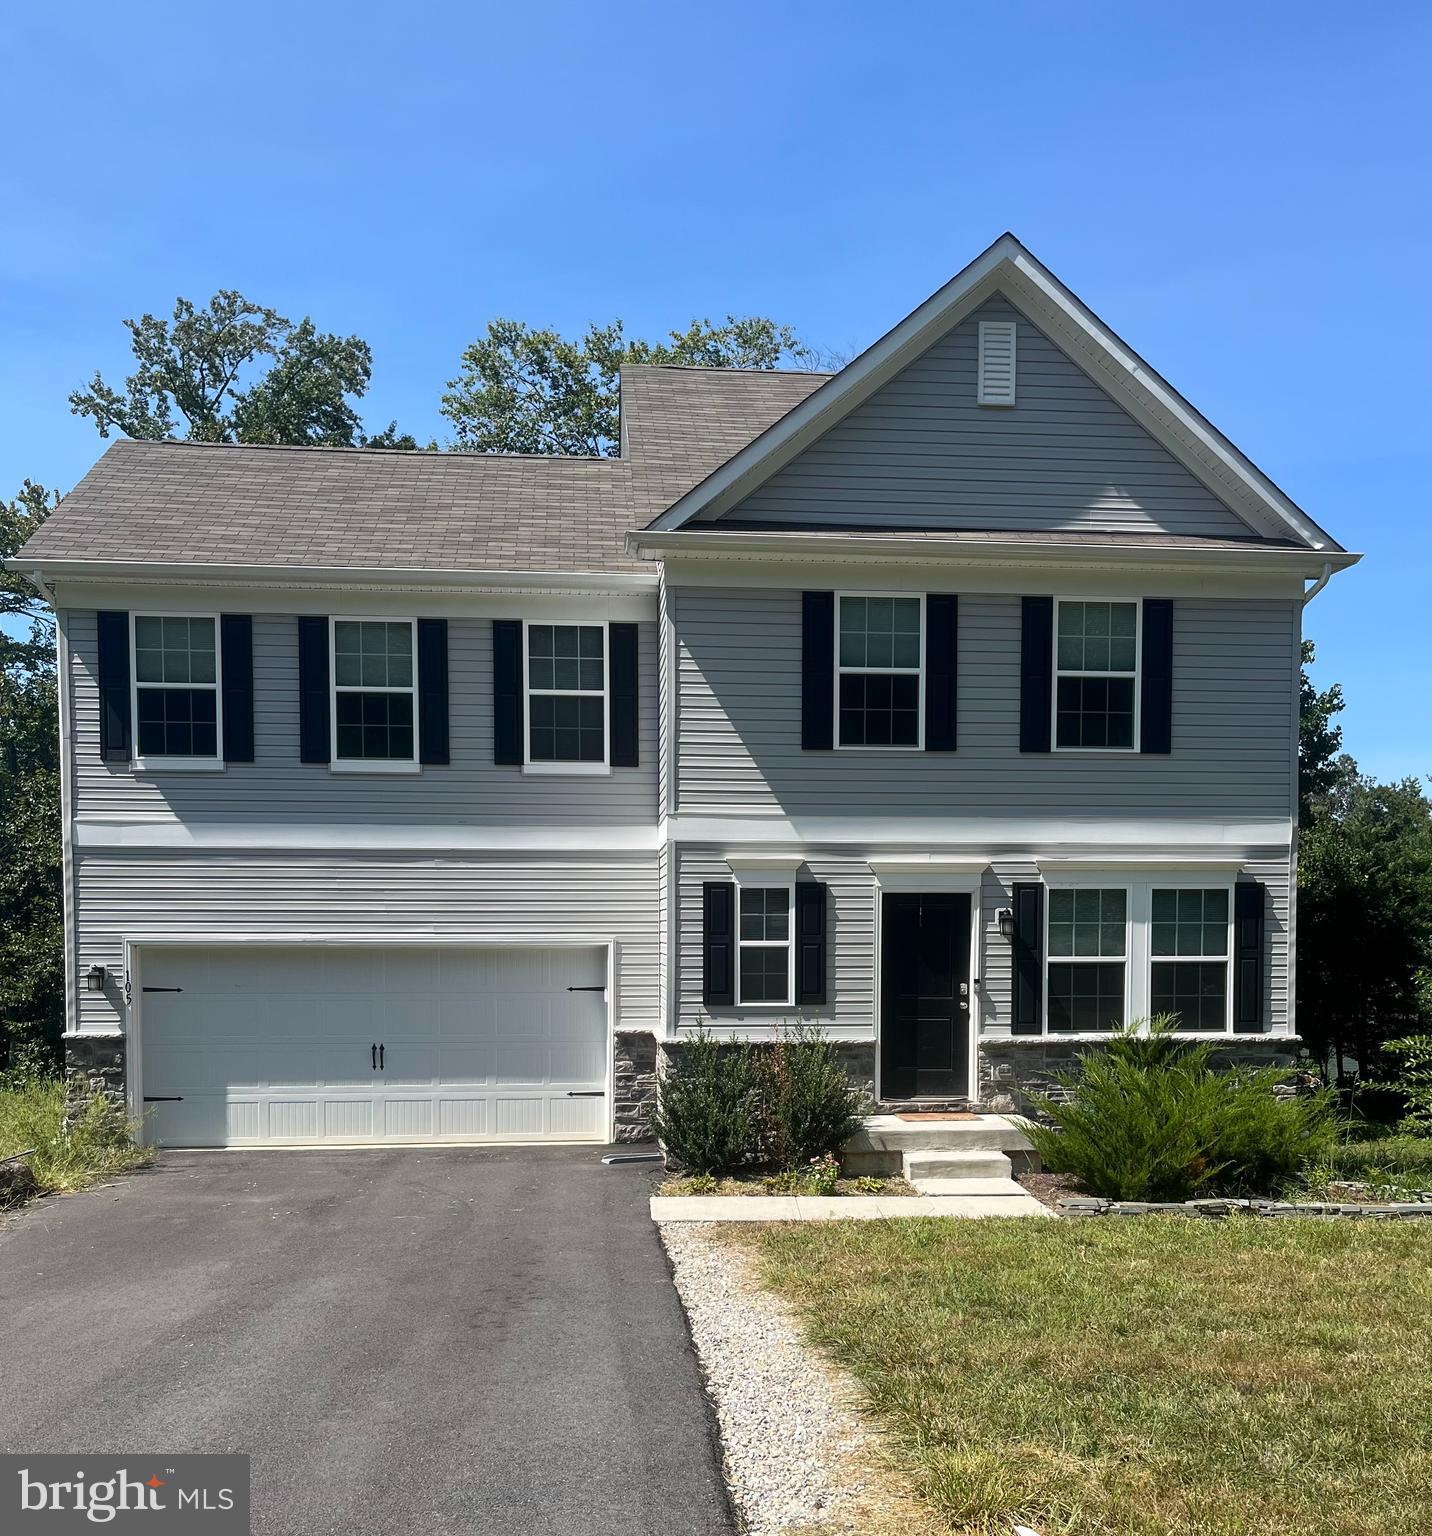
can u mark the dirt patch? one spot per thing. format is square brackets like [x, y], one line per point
[1050, 1188]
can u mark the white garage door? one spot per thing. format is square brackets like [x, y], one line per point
[292, 1045]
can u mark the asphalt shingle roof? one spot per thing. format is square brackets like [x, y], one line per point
[213, 504]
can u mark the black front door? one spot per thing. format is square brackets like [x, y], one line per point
[924, 997]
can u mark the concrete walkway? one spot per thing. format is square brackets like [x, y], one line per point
[666, 1208]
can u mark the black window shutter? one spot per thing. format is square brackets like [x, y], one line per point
[113, 669]
[622, 700]
[810, 941]
[1028, 956]
[1248, 901]
[313, 735]
[942, 628]
[817, 671]
[718, 943]
[1156, 686]
[507, 691]
[1036, 673]
[236, 647]
[432, 691]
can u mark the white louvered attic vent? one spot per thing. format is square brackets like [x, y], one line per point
[996, 383]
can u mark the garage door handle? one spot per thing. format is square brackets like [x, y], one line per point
[381, 1067]
[375, 1057]
[586, 1093]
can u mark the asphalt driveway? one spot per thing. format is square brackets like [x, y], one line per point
[454, 1340]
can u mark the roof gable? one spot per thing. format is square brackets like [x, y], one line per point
[1061, 320]
[923, 451]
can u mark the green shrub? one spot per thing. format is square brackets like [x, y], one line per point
[1148, 1118]
[1413, 1082]
[809, 1107]
[708, 1116]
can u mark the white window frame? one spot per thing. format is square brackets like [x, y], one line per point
[164, 762]
[1137, 675]
[1092, 883]
[559, 769]
[766, 883]
[1138, 940]
[918, 673]
[1226, 886]
[369, 764]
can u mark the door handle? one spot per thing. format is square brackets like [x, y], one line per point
[381, 1067]
[375, 1057]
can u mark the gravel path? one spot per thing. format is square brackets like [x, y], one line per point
[798, 1458]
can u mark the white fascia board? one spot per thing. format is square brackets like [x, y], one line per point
[988, 838]
[393, 579]
[764, 862]
[853, 547]
[1175, 864]
[926, 864]
[591, 843]
[1008, 267]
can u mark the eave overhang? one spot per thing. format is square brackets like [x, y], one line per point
[924, 549]
[357, 578]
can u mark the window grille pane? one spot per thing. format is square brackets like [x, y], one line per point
[1196, 990]
[1084, 998]
[765, 974]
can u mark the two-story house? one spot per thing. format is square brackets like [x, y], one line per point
[948, 702]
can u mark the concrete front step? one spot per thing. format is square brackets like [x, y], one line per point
[881, 1143]
[983, 1188]
[963, 1164]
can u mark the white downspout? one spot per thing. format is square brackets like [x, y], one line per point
[1318, 585]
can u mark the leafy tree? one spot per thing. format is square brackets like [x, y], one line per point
[1320, 769]
[526, 390]
[32, 986]
[1365, 917]
[207, 367]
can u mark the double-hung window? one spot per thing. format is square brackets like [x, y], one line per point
[1087, 948]
[176, 689]
[1189, 956]
[765, 918]
[1096, 676]
[567, 696]
[374, 693]
[879, 667]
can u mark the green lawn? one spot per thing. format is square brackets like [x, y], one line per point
[1145, 1377]
[32, 1115]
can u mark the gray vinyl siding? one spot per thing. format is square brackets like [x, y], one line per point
[854, 892]
[739, 704]
[276, 787]
[920, 453]
[120, 895]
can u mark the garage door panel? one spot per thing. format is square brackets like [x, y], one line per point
[463, 1117]
[466, 1018]
[407, 1119]
[273, 1044]
[408, 1063]
[467, 1063]
[293, 1119]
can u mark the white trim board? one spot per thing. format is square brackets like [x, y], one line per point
[1007, 267]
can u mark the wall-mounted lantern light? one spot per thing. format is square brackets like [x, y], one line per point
[94, 979]
[1005, 918]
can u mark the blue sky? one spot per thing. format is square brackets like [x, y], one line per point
[1241, 191]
